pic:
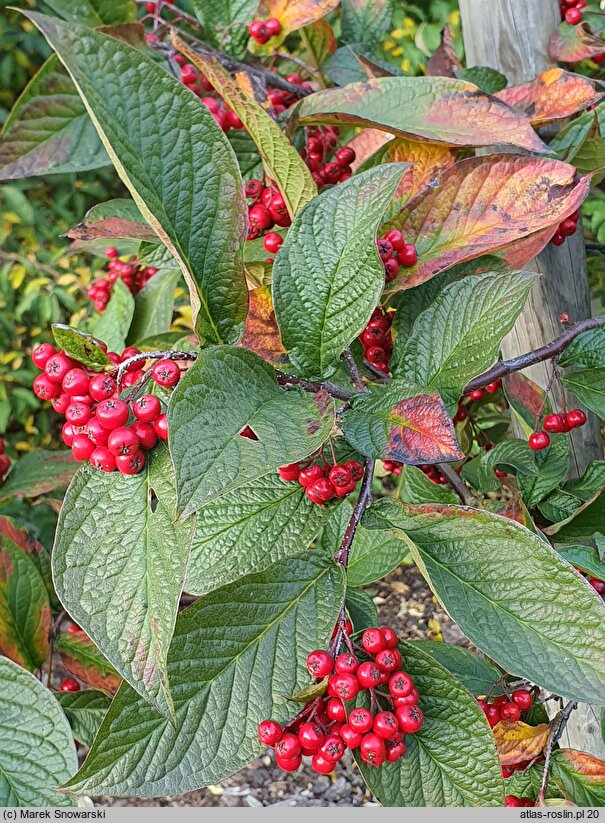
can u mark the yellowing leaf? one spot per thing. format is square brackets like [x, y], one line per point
[426, 161]
[310, 692]
[585, 764]
[261, 333]
[517, 741]
[282, 162]
[294, 14]
[366, 143]
[553, 95]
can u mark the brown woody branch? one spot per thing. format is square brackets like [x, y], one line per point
[557, 727]
[365, 497]
[457, 484]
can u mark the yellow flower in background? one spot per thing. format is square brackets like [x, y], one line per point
[406, 65]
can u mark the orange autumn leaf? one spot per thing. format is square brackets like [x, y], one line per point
[366, 143]
[82, 658]
[570, 44]
[553, 95]
[261, 334]
[517, 741]
[586, 765]
[294, 14]
[426, 161]
[518, 254]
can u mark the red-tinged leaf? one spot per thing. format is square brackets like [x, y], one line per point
[82, 658]
[261, 334]
[513, 508]
[39, 472]
[526, 397]
[481, 205]
[438, 109]
[116, 218]
[426, 161]
[444, 60]
[553, 95]
[294, 14]
[9, 530]
[585, 764]
[367, 143]
[570, 44]
[579, 776]
[518, 254]
[517, 742]
[25, 616]
[395, 423]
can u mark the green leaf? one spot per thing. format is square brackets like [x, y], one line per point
[119, 568]
[251, 528]
[226, 390]
[49, 131]
[397, 422]
[224, 22]
[588, 155]
[553, 464]
[248, 158]
[153, 306]
[587, 350]
[439, 109]
[588, 385]
[113, 324]
[85, 711]
[235, 653]
[39, 472]
[328, 276]
[37, 750]
[24, 608]
[81, 347]
[475, 673]
[584, 558]
[542, 623]
[38, 553]
[458, 336]
[83, 659]
[582, 524]
[580, 777]
[185, 180]
[508, 455]
[94, 12]
[411, 303]
[417, 488]
[362, 611]
[452, 760]
[563, 502]
[365, 21]
[485, 78]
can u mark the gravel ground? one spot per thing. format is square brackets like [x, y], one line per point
[406, 604]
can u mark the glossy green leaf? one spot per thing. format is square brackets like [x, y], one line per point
[80, 346]
[586, 351]
[588, 385]
[584, 558]
[83, 659]
[94, 12]
[153, 307]
[410, 304]
[113, 324]
[250, 528]
[362, 611]
[328, 276]
[588, 156]
[566, 500]
[119, 567]
[417, 488]
[49, 131]
[235, 652]
[85, 711]
[248, 158]
[580, 777]
[583, 523]
[459, 335]
[24, 608]
[507, 455]
[37, 751]
[452, 760]
[439, 109]
[225, 22]
[226, 390]
[542, 622]
[185, 180]
[400, 422]
[365, 21]
[475, 673]
[552, 464]
[39, 472]
[485, 78]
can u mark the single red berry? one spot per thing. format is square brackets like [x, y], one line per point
[344, 686]
[361, 720]
[102, 387]
[332, 748]
[273, 26]
[386, 725]
[44, 388]
[102, 458]
[575, 418]
[410, 699]
[395, 238]
[510, 711]
[501, 700]
[189, 74]
[70, 685]
[410, 718]
[597, 585]
[309, 475]
[289, 473]
[346, 663]
[145, 434]
[401, 684]
[507, 771]
[42, 353]
[321, 489]
[279, 211]
[564, 316]
[375, 354]
[130, 463]
[368, 675]
[568, 227]
[166, 373]
[372, 336]
[288, 746]
[391, 269]
[320, 664]
[289, 764]
[389, 637]
[395, 749]
[407, 256]
[146, 408]
[345, 156]
[385, 250]
[61, 402]
[160, 424]
[512, 802]
[111, 252]
[310, 736]
[554, 423]
[82, 447]
[123, 441]
[557, 239]
[68, 434]
[272, 242]
[343, 491]
[97, 431]
[476, 395]
[573, 16]
[538, 441]
[74, 629]
[269, 732]
[492, 388]
[373, 641]
[372, 749]
[335, 710]
[112, 413]
[492, 714]
[78, 413]
[523, 698]
[57, 366]
[321, 764]
[388, 660]
[350, 737]
[340, 476]
[253, 188]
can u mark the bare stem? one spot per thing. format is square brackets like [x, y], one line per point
[120, 370]
[354, 371]
[365, 496]
[456, 483]
[557, 727]
[312, 386]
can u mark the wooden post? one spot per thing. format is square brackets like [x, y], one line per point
[512, 37]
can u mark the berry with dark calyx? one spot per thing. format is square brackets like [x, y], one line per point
[78, 413]
[112, 413]
[356, 469]
[523, 699]
[123, 441]
[269, 732]
[310, 736]
[335, 710]
[575, 418]
[553, 423]
[146, 408]
[102, 387]
[42, 353]
[258, 31]
[538, 441]
[82, 447]
[388, 660]
[373, 641]
[57, 366]
[343, 686]
[395, 749]
[410, 718]
[70, 685]
[321, 764]
[97, 432]
[166, 373]
[510, 711]
[340, 476]
[253, 188]
[385, 250]
[332, 748]
[400, 684]
[407, 256]
[350, 737]
[391, 269]
[288, 746]
[368, 675]
[289, 473]
[44, 388]
[322, 488]
[361, 720]
[372, 336]
[309, 475]
[346, 663]
[320, 664]
[160, 424]
[130, 463]
[272, 242]
[145, 434]
[102, 458]
[386, 725]
[573, 16]
[372, 749]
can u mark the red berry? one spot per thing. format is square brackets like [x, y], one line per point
[130, 463]
[57, 367]
[310, 736]
[391, 269]
[102, 458]
[321, 764]
[476, 395]
[335, 710]
[269, 732]
[81, 447]
[492, 714]
[68, 434]
[372, 749]
[573, 16]
[538, 441]
[395, 749]
[272, 26]
[340, 476]
[386, 725]
[102, 387]
[189, 74]
[42, 353]
[289, 764]
[146, 408]
[373, 641]
[492, 388]
[346, 663]
[112, 413]
[287, 746]
[321, 489]
[523, 699]
[410, 718]
[356, 469]
[554, 423]
[345, 156]
[332, 748]
[407, 256]
[123, 441]
[257, 31]
[320, 664]
[111, 252]
[97, 432]
[395, 238]
[385, 250]
[401, 684]
[350, 737]
[45, 388]
[568, 227]
[512, 802]
[289, 473]
[145, 434]
[253, 188]
[78, 413]
[575, 418]
[368, 675]
[70, 685]
[160, 424]
[557, 239]
[410, 699]
[510, 711]
[344, 686]
[166, 373]
[361, 720]
[308, 476]
[388, 660]
[597, 585]
[501, 700]
[389, 637]
[372, 336]
[272, 242]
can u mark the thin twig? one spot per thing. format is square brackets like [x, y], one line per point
[16, 258]
[557, 727]
[313, 386]
[456, 483]
[558, 345]
[151, 355]
[354, 371]
[365, 496]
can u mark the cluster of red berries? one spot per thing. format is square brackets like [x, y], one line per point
[328, 165]
[323, 482]
[199, 84]
[571, 11]
[132, 274]
[477, 395]
[5, 462]
[323, 731]
[377, 340]
[281, 99]
[393, 467]
[395, 252]
[263, 30]
[569, 225]
[556, 424]
[69, 685]
[266, 209]
[96, 418]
